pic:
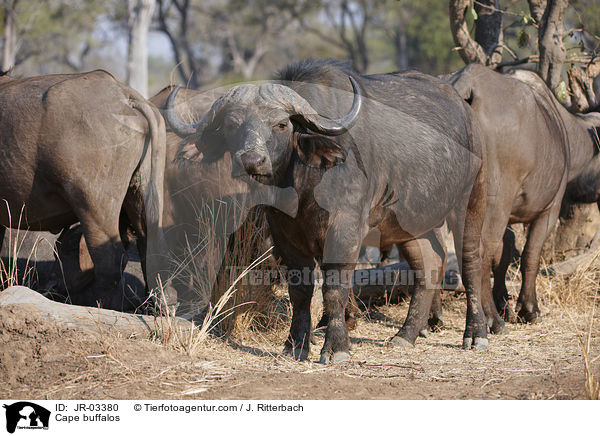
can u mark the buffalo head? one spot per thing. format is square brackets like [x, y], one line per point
[260, 126]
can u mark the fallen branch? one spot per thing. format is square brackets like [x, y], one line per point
[569, 266]
[89, 319]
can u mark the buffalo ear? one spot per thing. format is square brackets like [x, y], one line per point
[209, 148]
[188, 151]
[318, 151]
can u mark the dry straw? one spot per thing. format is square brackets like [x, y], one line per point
[189, 338]
[578, 291]
[10, 273]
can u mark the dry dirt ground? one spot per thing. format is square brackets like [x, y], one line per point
[543, 361]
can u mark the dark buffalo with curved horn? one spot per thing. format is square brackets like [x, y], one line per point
[537, 151]
[84, 147]
[393, 154]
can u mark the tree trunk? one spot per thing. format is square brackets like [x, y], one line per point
[401, 46]
[486, 48]
[578, 224]
[139, 19]
[245, 65]
[550, 41]
[581, 83]
[488, 29]
[9, 53]
[363, 54]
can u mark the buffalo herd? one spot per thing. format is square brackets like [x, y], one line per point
[328, 157]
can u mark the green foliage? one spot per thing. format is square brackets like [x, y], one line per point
[57, 31]
[523, 38]
[473, 11]
[562, 92]
[430, 40]
[69, 35]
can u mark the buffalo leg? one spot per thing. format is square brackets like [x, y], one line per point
[435, 316]
[340, 255]
[109, 257]
[425, 257]
[300, 287]
[436, 322]
[466, 227]
[337, 285]
[500, 292]
[527, 306]
[490, 262]
[135, 213]
[351, 314]
[496, 221]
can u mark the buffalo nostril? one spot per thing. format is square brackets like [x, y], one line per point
[253, 161]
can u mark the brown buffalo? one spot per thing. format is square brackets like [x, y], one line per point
[188, 186]
[84, 147]
[535, 148]
[397, 154]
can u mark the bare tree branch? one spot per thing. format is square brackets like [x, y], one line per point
[180, 45]
[537, 8]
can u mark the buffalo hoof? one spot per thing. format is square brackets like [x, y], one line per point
[320, 334]
[296, 353]
[424, 333]
[498, 327]
[529, 317]
[480, 344]
[399, 341]
[337, 357]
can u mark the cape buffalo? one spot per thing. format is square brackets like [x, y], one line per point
[208, 214]
[189, 188]
[84, 147]
[535, 147]
[583, 135]
[401, 160]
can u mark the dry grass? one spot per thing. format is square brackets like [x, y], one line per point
[576, 296]
[563, 344]
[190, 338]
[576, 293]
[592, 378]
[211, 262]
[11, 274]
[555, 359]
[254, 305]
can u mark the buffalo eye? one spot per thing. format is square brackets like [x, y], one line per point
[281, 126]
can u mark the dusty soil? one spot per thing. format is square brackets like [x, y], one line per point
[38, 360]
